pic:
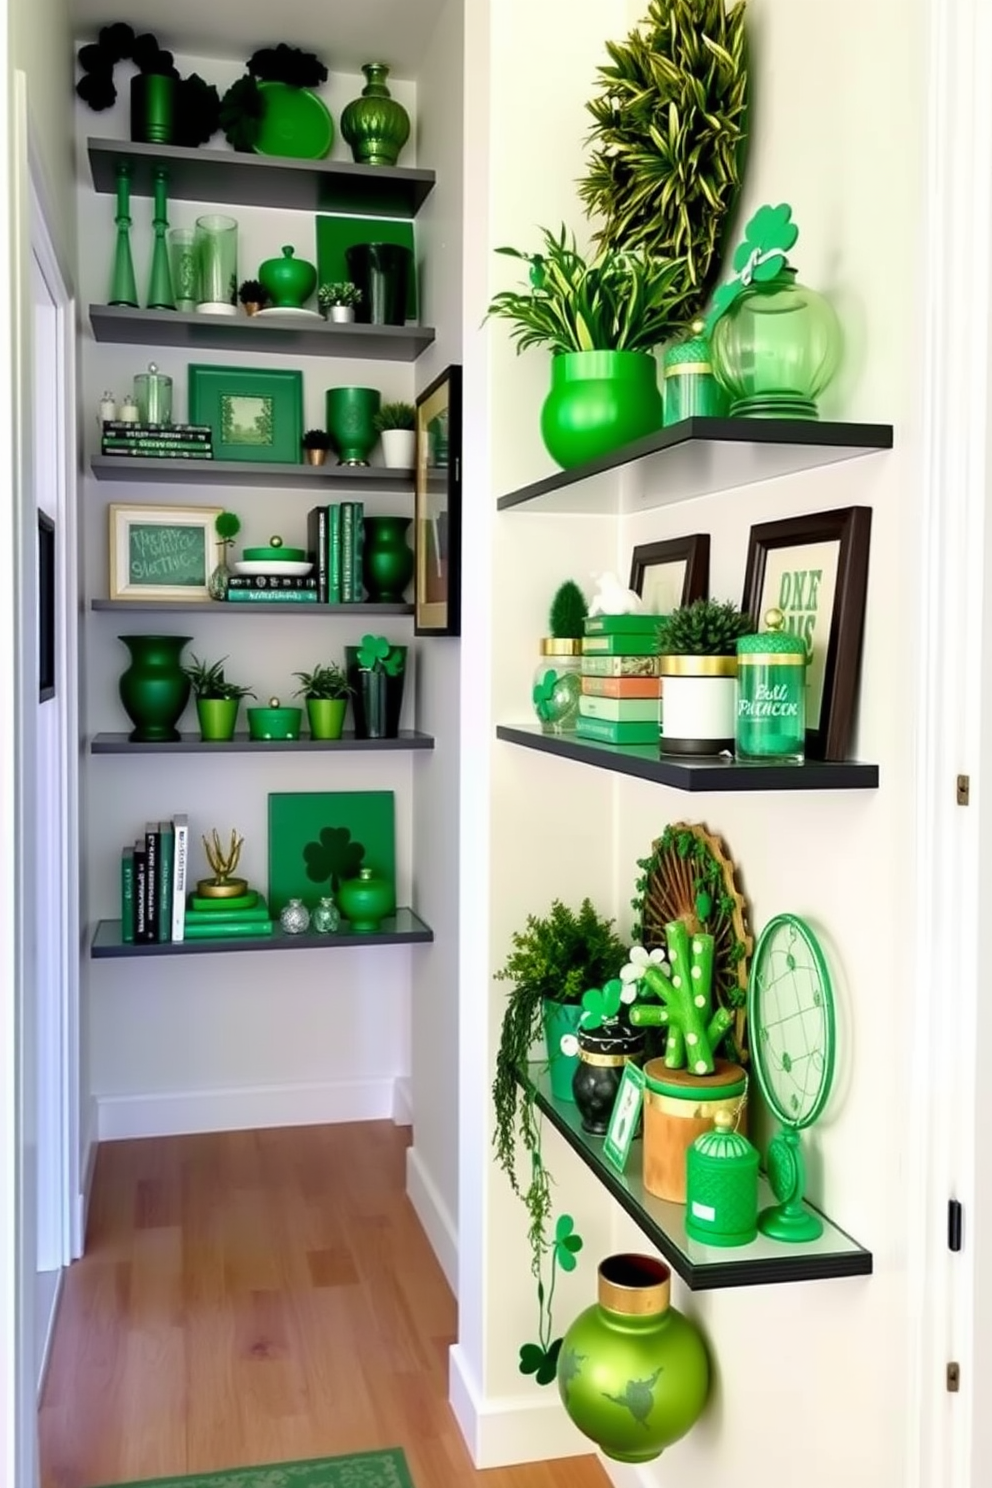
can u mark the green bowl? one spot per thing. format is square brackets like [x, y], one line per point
[274, 555]
[274, 723]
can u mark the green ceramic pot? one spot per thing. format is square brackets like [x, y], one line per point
[218, 718]
[326, 717]
[153, 108]
[387, 562]
[350, 412]
[375, 125]
[290, 281]
[154, 689]
[382, 272]
[377, 699]
[561, 1018]
[365, 901]
[599, 401]
[274, 723]
[633, 1373]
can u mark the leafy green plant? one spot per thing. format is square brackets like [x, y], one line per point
[568, 612]
[327, 682]
[333, 857]
[253, 292]
[316, 439]
[209, 682]
[669, 134]
[376, 654]
[620, 301]
[706, 627]
[395, 416]
[342, 293]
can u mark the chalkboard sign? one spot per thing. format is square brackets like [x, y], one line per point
[161, 552]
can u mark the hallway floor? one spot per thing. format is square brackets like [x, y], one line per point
[248, 1297]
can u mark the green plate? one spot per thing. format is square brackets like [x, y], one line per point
[275, 555]
[295, 123]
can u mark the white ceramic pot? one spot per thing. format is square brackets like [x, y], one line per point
[399, 447]
[343, 314]
[698, 704]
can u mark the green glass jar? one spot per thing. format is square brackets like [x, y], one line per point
[722, 1186]
[691, 390]
[771, 694]
[557, 684]
[776, 349]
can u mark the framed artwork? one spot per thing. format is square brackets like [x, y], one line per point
[46, 607]
[672, 573]
[437, 516]
[254, 415]
[161, 552]
[625, 1116]
[815, 570]
[318, 838]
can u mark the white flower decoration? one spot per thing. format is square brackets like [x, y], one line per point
[569, 1044]
[633, 973]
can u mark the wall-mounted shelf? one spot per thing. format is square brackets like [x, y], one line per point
[698, 457]
[701, 1267]
[251, 333]
[247, 473]
[645, 763]
[241, 744]
[402, 928]
[217, 607]
[246, 180]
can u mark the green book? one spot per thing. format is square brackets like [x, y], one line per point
[239, 901]
[357, 549]
[334, 556]
[203, 917]
[231, 929]
[618, 645]
[621, 710]
[646, 625]
[347, 552]
[605, 731]
[127, 895]
[166, 858]
[621, 666]
[271, 596]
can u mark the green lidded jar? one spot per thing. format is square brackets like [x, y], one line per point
[722, 1186]
[771, 694]
[691, 390]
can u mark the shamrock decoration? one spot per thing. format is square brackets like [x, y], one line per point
[540, 1362]
[541, 1359]
[602, 1006]
[333, 857]
[543, 695]
[376, 654]
[760, 258]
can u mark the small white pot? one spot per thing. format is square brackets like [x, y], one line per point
[399, 447]
[698, 704]
[343, 314]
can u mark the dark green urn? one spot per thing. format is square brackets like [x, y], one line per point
[375, 125]
[387, 562]
[154, 689]
[350, 421]
[365, 901]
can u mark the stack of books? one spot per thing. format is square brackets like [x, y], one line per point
[621, 684]
[336, 539]
[153, 883]
[271, 589]
[227, 919]
[158, 441]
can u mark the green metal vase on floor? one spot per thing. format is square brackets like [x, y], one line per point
[387, 561]
[375, 125]
[599, 401]
[350, 414]
[154, 689]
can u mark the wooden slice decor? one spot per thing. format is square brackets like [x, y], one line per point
[690, 876]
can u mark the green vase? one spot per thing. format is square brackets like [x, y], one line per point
[382, 273]
[375, 125]
[365, 901]
[153, 108]
[290, 281]
[154, 689]
[377, 697]
[350, 415]
[776, 349]
[561, 1018]
[218, 719]
[387, 561]
[326, 717]
[599, 401]
[633, 1373]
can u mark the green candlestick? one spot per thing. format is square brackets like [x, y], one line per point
[123, 288]
[160, 296]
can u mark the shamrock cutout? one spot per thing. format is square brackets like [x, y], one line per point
[392, 664]
[543, 695]
[601, 1006]
[567, 1243]
[542, 1363]
[372, 651]
[760, 258]
[334, 857]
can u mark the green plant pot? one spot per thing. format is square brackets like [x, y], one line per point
[274, 723]
[326, 717]
[218, 718]
[365, 901]
[387, 562]
[154, 689]
[599, 401]
[561, 1018]
[350, 413]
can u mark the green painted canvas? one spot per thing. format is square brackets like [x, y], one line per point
[386, 1469]
[317, 838]
[335, 234]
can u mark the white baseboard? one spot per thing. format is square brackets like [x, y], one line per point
[180, 1113]
[434, 1216]
[510, 1429]
[403, 1101]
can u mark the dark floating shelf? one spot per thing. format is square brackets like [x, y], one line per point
[241, 744]
[698, 457]
[645, 763]
[402, 928]
[250, 333]
[701, 1267]
[247, 473]
[215, 607]
[246, 180]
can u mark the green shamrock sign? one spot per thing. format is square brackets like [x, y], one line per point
[760, 258]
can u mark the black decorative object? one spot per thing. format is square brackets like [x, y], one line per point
[241, 111]
[603, 1052]
[286, 64]
[165, 108]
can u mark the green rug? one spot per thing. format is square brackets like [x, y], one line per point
[359, 1470]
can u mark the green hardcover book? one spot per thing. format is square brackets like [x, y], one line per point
[645, 625]
[127, 895]
[621, 666]
[166, 859]
[227, 916]
[357, 550]
[617, 645]
[621, 710]
[238, 901]
[230, 930]
[604, 731]
[347, 552]
[334, 558]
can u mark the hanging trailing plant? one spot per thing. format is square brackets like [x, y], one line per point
[669, 136]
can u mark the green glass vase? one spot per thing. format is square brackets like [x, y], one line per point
[123, 286]
[350, 421]
[375, 125]
[154, 689]
[153, 108]
[776, 349]
[387, 561]
[365, 901]
[633, 1373]
[599, 401]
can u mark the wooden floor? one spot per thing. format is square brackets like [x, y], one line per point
[252, 1297]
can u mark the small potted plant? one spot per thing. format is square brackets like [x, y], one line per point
[377, 672]
[253, 295]
[217, 700]
[327, 691]
[338, 301]
[698, 648]
[316, 443]
[395, 424]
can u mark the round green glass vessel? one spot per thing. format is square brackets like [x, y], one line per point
[365, 901]
[375, 125]
[776, 349]
[599, 400]
[350, 412]
[387, 560]
[154, 689]
[289, 280]
[722, 1186]
[771, 694]
[633, 1373]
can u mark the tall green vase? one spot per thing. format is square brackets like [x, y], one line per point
[160, 296]
[350, 422]
[123, 286]
[375, 125]
[599, 401]
[154, 689]
[387, 561]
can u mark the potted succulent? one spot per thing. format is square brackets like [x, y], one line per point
[395, 425]
[698, 648]
[217, 700]
[601, 321]
[327, 691]
[316, 443]
[338, 301]
[253, 295]
[557, 683]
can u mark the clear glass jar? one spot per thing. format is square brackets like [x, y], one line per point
[153, 395]
[776, 349]
[557, 684]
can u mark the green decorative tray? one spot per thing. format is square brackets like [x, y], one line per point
[295, 123]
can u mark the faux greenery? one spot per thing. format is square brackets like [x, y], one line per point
[669, 135]
[210, 684]
[619, 301]
[395, 416]
[241, 111]
[316, 439]
[227, 525]
[344, 293]
[707, 627]
[324, 682]
[376, 654]
[253, 292]
[568, 612]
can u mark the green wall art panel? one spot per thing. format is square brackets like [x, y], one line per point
[336, 234]
[318, 838]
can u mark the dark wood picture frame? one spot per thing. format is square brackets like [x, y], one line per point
[437, 514]
[693, 551]
[828, 737]
[46, 607]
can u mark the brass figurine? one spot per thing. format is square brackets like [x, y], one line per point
[222, 885]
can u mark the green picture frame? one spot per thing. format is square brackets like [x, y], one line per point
[625, 1117]
[255, 416]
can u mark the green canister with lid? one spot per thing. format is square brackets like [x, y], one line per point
[722, 1186]
[691, 390]
[771, 694]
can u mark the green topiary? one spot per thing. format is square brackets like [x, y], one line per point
[706, 627]
[568, 612]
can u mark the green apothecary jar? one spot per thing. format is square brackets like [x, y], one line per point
[722, 1186]
[557, 684]
[691, 390]
[776, 349]
[771, 694]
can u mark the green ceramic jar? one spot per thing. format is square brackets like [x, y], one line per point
[289, 280]
[154, 689]
[599, 401]
[274, 722]
[349, 419]
[722, 1186]
[771, 694]
[375, 125]
[365, 901]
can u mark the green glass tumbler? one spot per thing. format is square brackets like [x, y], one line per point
[350, 421]
[182, 262]
[217, 264]
[776, 349]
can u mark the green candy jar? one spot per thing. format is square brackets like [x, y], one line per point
[289, 281]
[375, 125]
[365, 901]
[633, 1373]
[691, 390]
[771, 694]
[154, 689]
[722, 1186]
